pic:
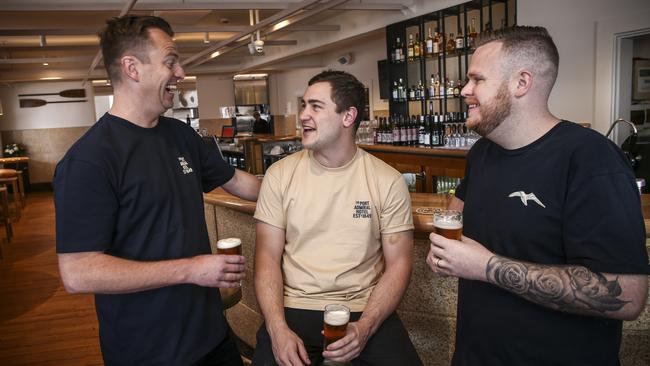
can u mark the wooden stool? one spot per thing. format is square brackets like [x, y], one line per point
[10, 176]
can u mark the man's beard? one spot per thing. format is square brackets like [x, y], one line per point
[495, 112]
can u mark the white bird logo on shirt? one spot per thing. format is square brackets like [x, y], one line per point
[527, 196]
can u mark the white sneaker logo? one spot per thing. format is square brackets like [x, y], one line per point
[526, 197]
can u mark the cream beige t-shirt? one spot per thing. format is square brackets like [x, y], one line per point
[333, 220]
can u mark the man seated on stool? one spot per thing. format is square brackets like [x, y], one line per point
[334, 226]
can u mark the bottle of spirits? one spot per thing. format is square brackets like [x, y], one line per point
[450, 88]
[472, 34]
[395, 92]
[395, 127]
[412, 93]
[429, 45]
[457, 88]
[437, 40]
[399, 51]
[460, 42]
[417, 47]
[401, 93]
[411, 48]
[451, 44]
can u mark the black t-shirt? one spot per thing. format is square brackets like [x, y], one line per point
[136, 193]
[585, 211]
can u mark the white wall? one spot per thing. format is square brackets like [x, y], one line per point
[50, 115]
[584, 33]
[290, 85]
[214, 91]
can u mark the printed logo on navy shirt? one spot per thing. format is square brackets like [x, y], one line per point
[184, 165]
[525, 197]
[362, 210]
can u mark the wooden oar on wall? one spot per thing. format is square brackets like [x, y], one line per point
[31, 103]
[70, 93]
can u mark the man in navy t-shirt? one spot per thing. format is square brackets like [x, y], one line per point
[130, 215]
[553, 256]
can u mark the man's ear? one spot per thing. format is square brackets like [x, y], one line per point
[129, 66]
[524, 82]
[350, 116]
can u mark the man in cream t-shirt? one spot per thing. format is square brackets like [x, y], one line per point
[334, 227]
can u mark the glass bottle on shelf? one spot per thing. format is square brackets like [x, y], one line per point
[451, 44]
[412, 93]
[471, 38]
[401, 93]
[410, 48]
[429, 45]
[460, 42]
[450, 88]
[438, 91]
[395, 91]
[457, 88]
[420, 90]
[397, 51]
[417, 50]
[437, 40]
[432, 89]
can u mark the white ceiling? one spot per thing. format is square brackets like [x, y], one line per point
[69, 27]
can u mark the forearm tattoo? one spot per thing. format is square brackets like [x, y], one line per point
[573, 289]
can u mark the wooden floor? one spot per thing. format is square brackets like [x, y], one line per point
[41, 324]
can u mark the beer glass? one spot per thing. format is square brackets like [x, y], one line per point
[230, 246]
[448, 223]
[336, 318]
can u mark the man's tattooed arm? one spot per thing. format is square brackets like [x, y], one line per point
[573, 289]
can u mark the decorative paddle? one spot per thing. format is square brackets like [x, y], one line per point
[31, 103]
[70, 93]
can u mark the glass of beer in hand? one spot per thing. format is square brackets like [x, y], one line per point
[448, 223]
[230, 246]
[336, 318]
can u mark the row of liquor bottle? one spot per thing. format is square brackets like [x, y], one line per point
[434, 45]
[436, 89]
[431, 130]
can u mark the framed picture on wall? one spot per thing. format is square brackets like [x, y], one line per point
[641, 80]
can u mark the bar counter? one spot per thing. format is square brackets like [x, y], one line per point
[428, 308]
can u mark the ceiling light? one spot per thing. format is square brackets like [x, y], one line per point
[45, 64]
[250, 76]
[42, 41]
[52, 78]
[206, 37]
[214, 54]
[280, 25]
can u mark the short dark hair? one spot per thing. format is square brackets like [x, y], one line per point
[527, 45]
[347, 92]
[129, 33]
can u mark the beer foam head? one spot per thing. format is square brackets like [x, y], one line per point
[449, 225]
[337, 317]
[228, 243]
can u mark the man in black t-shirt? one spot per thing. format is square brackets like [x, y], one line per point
[130, 217]
[552, 257]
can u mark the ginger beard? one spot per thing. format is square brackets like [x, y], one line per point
[494, 112]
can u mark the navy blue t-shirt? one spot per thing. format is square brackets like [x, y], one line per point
[137, 193]
[568, 198]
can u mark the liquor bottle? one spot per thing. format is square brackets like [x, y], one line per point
[395, 92]
[451, 44]
[188, 120]
[417, 51]
[450, 88]
[427, 130]
[395, 128]
[429, 45]
[472, 34]
[437, 40]
[457, 88]
[399, 52]
[401, 93]
[431, 90]
[421, 132]
[412, 93]
[410, 49]
[420, 90]
[439, 90]
[460, 42]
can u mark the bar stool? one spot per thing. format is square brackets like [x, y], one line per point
[4, 216]
[11, 176]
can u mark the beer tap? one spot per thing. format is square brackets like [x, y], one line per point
[630, 152]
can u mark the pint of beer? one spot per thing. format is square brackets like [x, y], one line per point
[231, 246]
[448, 223]
[336, 318]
